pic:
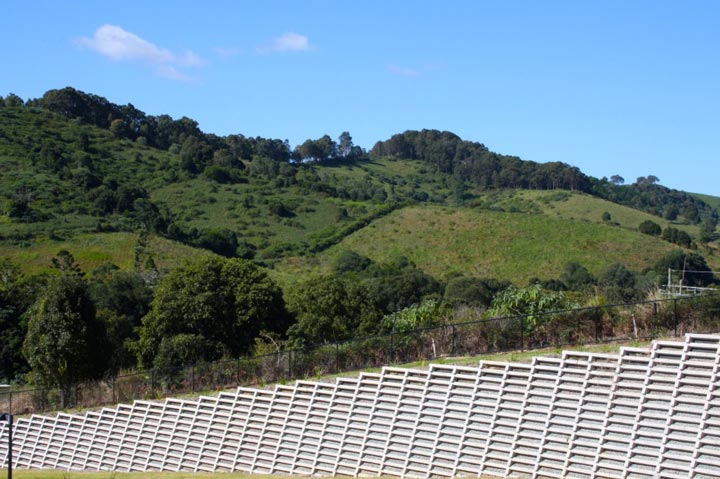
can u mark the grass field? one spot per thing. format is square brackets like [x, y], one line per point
[93, 250]
[515, 246]
[515, 235]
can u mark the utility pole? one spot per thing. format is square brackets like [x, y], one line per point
[9, 418]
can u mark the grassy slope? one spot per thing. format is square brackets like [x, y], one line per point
[502, 245]
[553, 230]
[92, 250]
[558, 227]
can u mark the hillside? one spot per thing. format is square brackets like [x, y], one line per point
[105, 204]
[488, 244]
[82, 174]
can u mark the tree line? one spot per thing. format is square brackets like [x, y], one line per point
[66, 326]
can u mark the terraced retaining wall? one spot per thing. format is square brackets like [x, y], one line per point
[643, 413]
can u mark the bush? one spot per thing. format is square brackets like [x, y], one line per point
[650, 228]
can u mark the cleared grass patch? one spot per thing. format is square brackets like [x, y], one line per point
[514, 246]
[93, 250]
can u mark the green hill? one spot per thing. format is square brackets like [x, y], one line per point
[80, 173]
[514, 246]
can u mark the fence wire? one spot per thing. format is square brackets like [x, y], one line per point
[640, 320]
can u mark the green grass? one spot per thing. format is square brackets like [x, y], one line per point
[93, 250]
[514, 246]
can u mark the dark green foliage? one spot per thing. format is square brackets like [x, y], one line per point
[194, 155]
[707, 229]
[473, 291]
[449, 154]
[397, 285]
[577, 277]
[64, 262]
[65, 342]
[606, 216]
[650, 228]
[619, 283]
[697, 271]
[278, 208]
[225, 301]
[679, 237]
[186, 349]
[122, 298]
[219, 240]
[222, 174]
[329, 309]
[648, 196]
[16, 295]
[350, 261]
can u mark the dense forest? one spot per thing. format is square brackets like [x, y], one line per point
[76, 163]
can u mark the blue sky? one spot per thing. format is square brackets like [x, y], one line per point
[613, 87]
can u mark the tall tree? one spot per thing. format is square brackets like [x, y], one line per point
[224, 303]
[65, 342]
[345, 144]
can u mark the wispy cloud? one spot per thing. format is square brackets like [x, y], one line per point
[414, 72]
[287, 42]
[120, 45]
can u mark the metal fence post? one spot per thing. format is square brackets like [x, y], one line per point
[392, 346]
[675, 317]
[453, 339]
[289, 373]
[337, 357]
[192, 378]
[522, 333]
[237, 372]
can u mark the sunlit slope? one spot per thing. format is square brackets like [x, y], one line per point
[93, 250]
[515, 246]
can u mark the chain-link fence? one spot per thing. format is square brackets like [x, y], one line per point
[640, 320]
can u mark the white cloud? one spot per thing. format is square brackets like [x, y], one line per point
[120, 45]
[287, 42]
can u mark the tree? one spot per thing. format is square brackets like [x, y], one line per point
[606, 216]
[531, 302]
[350, 261]
[649, 227]
[227, 302]
[329, 309]
[65, 342]
[121, 298]
[345, 144]
[679, 237]
[64, 262]
[16, 295]
[473, 291]
[617, 180]
[693, 267]
[12, 100]
[577, 277]
[619, 283]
